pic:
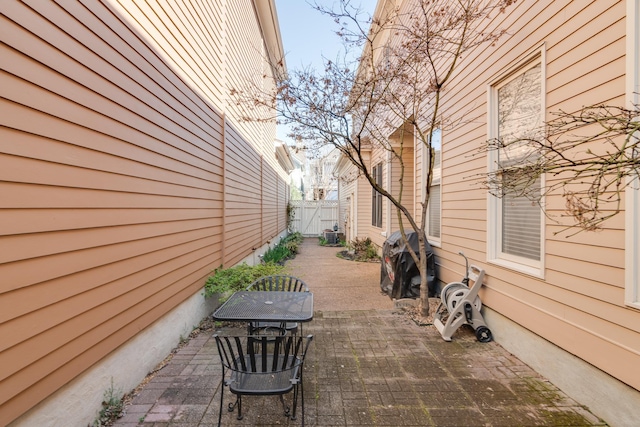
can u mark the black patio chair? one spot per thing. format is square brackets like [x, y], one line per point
[276, 283]
[260, 365]
[279, 283]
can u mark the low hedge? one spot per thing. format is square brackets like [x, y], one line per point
[228, 280]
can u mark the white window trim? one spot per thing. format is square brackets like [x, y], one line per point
[378, 168]
[494, 204]
[433, 240]
[387, 206]
[632, 213]
[354, 211]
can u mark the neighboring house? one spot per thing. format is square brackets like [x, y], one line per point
[319, 182]
[126, 177]
[354, 202]
[567, 305]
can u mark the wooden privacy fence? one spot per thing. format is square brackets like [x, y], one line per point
[312, 217]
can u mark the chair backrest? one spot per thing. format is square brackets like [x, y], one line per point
[278, 283]
[261, 354]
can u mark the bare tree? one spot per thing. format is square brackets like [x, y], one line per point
[389, 97]
[590, 157]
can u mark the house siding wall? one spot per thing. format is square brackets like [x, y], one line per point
[363, 210]
[406, 186]
[359, 190]
[579, 303]
[243, 198]
[269, 204]
[377, 234]
[124, 178]
[346, 192]
[418, 188]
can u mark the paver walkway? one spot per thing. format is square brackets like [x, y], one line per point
[369, 365]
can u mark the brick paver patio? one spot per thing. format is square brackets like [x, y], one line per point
[367, 367]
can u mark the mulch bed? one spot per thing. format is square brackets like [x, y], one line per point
[355, 256]
[414, 315]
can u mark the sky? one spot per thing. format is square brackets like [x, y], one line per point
[307, 35]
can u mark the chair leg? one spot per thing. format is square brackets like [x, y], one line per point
[300, 385]
[302, 397]
[221, 402]
[298, 388]
[239, 403]
[287, 409]
[295, 401]
[233, 405]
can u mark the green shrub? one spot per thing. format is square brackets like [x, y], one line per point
[363, 249]
[276, 254]
[360, 245]
[238, 278]
[284, 250]
[293, 241]
[371, 252]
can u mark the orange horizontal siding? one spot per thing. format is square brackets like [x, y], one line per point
[21, 221]
[578, 302]
[124, 181]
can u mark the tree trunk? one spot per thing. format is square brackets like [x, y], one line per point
[424, 284]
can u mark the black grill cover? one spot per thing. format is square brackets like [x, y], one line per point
[399, 274]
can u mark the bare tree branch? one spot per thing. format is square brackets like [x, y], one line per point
[590, 157]
[388, 98]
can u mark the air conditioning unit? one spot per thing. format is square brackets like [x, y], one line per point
[331, 237]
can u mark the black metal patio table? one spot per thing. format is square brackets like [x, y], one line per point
[266, 306]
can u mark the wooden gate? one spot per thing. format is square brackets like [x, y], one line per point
[312, 217]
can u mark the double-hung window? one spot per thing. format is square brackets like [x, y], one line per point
[434, 210]
[376, 197]
[516, 113]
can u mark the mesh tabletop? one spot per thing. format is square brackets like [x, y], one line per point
[247, 306]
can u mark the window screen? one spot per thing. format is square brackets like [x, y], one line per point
[434, 211]
[519, 117]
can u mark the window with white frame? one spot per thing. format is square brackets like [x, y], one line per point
[632, 213]
[434, 208]
[516, 221]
